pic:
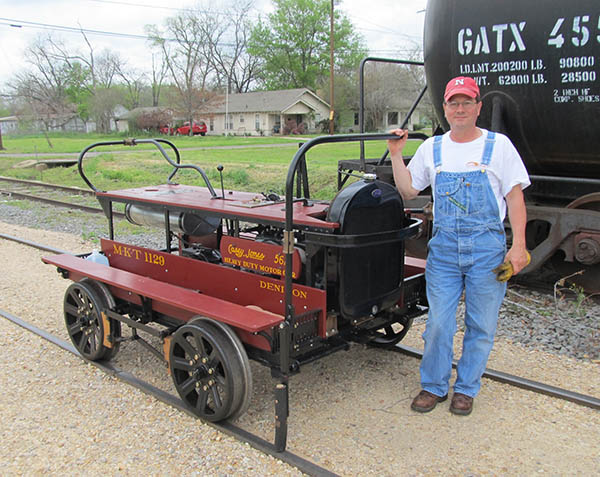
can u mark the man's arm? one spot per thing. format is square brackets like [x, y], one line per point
[517, 215]
[402, 176]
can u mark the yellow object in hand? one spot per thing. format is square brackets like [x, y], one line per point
[505, 270]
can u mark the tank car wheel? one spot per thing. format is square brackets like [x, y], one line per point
[206, 371]
[245, 394]
[587, 202]
[390, 337]
[83, 304]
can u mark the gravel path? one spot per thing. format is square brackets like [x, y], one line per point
[60, 414]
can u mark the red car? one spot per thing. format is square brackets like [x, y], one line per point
[166, 130]
[197, 128]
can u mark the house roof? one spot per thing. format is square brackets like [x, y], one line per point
[268, 101]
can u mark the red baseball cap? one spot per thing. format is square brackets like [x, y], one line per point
[461, 85]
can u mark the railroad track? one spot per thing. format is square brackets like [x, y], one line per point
[388, 417]
[238, 433]
[47, 194]
[499, 376]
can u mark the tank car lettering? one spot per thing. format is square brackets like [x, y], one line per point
[511, 80]
[464, 46]
[578, 77]
[576, 62]
[482, 42]
[555, 39]
[581, 32]
[472, 68]
[590, 98]
[482, 45]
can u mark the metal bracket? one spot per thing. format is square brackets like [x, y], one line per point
[288, 241]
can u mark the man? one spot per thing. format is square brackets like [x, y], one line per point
[475, 175]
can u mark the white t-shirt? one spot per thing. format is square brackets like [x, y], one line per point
[505, 170]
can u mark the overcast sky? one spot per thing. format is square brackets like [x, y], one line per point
[390, 27]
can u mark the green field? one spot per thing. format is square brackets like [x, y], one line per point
[246, 166]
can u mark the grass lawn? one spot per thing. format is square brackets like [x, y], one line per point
[247, 169]
[57, 143]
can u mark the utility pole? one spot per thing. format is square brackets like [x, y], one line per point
[1, 146]
[331, 128]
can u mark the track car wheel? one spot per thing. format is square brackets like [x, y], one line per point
[206, 370]
[83, 306]
[391, 336]
[115, 325]
[244, 396]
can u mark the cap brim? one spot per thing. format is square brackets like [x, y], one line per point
[467, 92]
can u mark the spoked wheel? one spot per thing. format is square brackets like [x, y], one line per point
[83, 304]
[245, 394]
[206, 371]
[390, 337]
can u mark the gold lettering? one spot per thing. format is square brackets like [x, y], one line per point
[299, 294]
[117, 249]
[238, 252]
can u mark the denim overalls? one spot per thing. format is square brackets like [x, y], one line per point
[467, 243]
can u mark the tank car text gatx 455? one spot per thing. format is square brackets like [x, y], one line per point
[244, 275]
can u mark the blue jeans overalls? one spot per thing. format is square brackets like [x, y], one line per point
[467, 243]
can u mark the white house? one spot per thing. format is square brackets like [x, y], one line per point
[263, 113]
[9, 124]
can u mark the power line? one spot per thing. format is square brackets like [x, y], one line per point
[46, 26]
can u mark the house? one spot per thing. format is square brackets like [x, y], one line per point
[263, 113]
[9, 124]
[68, 122]
[385, 118]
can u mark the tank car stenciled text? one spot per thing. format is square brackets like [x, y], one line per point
[573, 36]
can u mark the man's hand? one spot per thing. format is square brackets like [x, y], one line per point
[507, 269]
[519, 257]
[395, 146]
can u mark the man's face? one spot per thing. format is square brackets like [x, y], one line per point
[461, 111]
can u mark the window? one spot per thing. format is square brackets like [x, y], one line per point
[356, 119]
[257, 122]
[212, 124]
[241, 119]
[393, 117]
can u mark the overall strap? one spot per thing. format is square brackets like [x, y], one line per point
[490, 140]
[437, 153]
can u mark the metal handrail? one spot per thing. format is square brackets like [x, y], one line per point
[134, 142]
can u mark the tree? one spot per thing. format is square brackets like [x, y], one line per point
[391, 87]
[233, 65]
[45, 90]
[159, 73]
[293, 44]
[186, 55]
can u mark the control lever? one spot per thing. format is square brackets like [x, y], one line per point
[220, 169]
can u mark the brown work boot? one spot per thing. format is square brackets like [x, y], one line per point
[461, 404]
[426, 401]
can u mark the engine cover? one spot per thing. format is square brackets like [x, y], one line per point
[370, 276]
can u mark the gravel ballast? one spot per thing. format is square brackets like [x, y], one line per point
[349, 411]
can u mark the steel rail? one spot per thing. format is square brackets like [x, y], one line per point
[29, 243]
[46, 185]
[240, 434]
[58, 203]
[517, 381]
